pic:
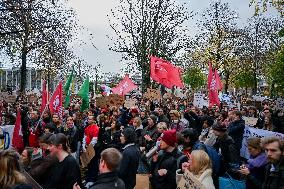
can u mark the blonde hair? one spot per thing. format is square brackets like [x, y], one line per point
[138, 120]
[162, 125]
[202, 161]
[10, 169]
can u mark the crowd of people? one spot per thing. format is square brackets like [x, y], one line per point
[160, 138]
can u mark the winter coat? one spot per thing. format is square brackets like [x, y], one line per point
[236, 131]
[72, 135]
[274, 179]
[108, 181]
[226, 147]
[129, 165]
[168, 161]
[153, 133]
[256, 166]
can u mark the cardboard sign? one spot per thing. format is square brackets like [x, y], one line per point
[109, 101]
[153, 94]
[142, 181]
[189, 181]
[250, 121]
[8, 97]
[129, 103]
[280, 103]
[87, 156]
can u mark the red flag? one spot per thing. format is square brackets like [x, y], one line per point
[212, 87]
[218, 81]
[44, 96]
[55, 103]
[165, 73]
[125, 86]
[17, 141]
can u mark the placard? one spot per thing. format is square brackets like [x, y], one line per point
[189, 181]
[142, 181]
[8, 97]
[198, 100]
[129, 103]
[153, 94]
[250, 121]
[87, 156]
[108, 101]
[280, 103]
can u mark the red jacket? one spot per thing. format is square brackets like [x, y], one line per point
[90, 132]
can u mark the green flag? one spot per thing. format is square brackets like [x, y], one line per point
[67, 89]
[84, 94]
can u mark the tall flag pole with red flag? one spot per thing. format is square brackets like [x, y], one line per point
[17, 141]
[214, 84]
[165, 73]
[55, 103]
[124, 86]
[44, 97]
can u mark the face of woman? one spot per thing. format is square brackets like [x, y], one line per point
[122, 139]
[53, 150]
[266, 120]
[70, 122]
[112, 126]
[25, 156]
[135, 123]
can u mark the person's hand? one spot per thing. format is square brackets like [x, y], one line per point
[162, 172]
[76, 186]
[185, 166]
[244, 170]
[147, 137]
[155, 157]
[142, 149]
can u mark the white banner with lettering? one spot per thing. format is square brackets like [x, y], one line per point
[8, 131]
[253, 132]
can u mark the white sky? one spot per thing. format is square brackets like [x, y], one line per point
[93, 15]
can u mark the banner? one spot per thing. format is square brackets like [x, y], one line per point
[8, 131]
[253, 132]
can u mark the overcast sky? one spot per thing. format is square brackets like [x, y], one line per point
[93, 16]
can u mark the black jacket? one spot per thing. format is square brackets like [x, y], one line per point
[236, 131]
[129, 165]
[274, 179]
[168, 161]
[72, 135]
[108, 181]
[153, 133]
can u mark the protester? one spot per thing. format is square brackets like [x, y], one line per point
[176, 122]
[10, 174]
[66, 172]
[27, 157]
[35, 129]
[255, 167]
[164, 165]
[130, 158]
[274, 172]
[200, 165]
[150, 133]
[71, 132]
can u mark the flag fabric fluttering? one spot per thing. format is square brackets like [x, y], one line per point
[84, 94]
[44, 97]
[55, 103]
[214, 85]
[67, 90]
[125, 86]
[165, 73]
[17, 141]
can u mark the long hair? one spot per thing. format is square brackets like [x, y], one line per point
[10, 169]
[202, 162]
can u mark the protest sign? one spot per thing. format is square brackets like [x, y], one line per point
[142, 181]
[250, 121]
[87, 156]
[8, 131]
[189, 181]
[280, 103]
[153, 94]
[253, 132]
[198, 100]
[129, 103]
[109, 101]
[9, 98]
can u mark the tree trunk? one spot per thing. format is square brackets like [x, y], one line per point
[23, 71]
[227, 76]
[145, 78]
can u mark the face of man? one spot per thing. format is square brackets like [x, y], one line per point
[34, 115]
[91, 120]
[142, 114]
[230, 115]
[163, 145]
[161, 112]
[273, 152]
[150, 122]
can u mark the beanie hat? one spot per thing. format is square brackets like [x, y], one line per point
[134, 110]
[154, 118]
[219, 127]
[169, 137]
